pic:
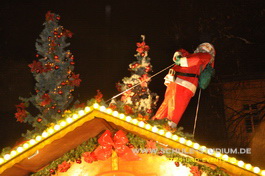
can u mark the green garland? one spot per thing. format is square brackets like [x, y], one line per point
[134, 140]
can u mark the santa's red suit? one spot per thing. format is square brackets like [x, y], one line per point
[180, 91]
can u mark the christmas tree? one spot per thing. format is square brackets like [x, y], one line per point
[53, 72]
[138, 100]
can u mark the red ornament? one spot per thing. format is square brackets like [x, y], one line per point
[142, 54]
[37, 91]
[143, 90]
[60, 92]
[147, 68]
[56, 57]
[59, 36]
[39, 119]
[149, 111]
[56, 67]
[72, 62]
[53, 107]
[63, 83]
[129, 85]
[55, 33]
[59, 111]
[177, 164]
[78, 161]
[37, 55]
[52, 171]
[58, 18]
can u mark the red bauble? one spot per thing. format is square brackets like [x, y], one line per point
[37, 55]
[53, 107]
[59, 36]
[56, 67]
[58, 18]
[59, 111]
[56, 57]
[72, 63]
[38, 71]
[143, 90]
[39, 119]
[52, 171]
[78, 161]
[63, 83]
[142, 54]
[129, 85]
[60, 92]
[37, 91]
[147, 69]
[149, 111]
[55, 33]
[177, 164]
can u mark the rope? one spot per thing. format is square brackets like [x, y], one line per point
[197, 111]
[139, 83]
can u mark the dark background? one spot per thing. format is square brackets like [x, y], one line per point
[105, 34]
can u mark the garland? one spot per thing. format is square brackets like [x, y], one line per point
[64, 163]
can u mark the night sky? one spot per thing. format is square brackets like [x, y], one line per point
[105, 34]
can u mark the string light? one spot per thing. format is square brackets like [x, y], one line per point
[248, 166]
[81, 112]
[141, 124]
[240, 163]
[102, 108]
[256, 170]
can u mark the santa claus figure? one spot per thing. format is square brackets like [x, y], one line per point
[180, 89]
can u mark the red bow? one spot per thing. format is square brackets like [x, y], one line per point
[118, 142]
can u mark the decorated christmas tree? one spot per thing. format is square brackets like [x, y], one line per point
[138, 100]
[55, 79]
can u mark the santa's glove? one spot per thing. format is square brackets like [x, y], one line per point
[176, 57]
[169, 77]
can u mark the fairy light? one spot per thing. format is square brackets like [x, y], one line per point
[115, 114]
[182, 140]
[256, 170]
[189, 143]
[63, 123]
[50, 131]
[13, 153]
[32, 142]
[38, 138]
[75, 116]
[87, 109]
[109, 111]
[19, 149]
[175, 137]
[218, 154]
[240, 163]
[148, 126]
[262, 172]
[26, 145]
[102, 108]
[56, 127]
[82, 112]
[232, 160]
[203, 149]
[1, 160]
[161, 132]
[196, 145]
[128, 118]
[135, 121]
[248, 166]
[141, 124]
[122, 116]
[154, 129]
[168, 134]
[44, 134]
[7, 157]
[96, 106]
[225, 157]
[69, 120]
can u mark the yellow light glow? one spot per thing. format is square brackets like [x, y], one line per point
[128, 118]
[248, 166]
[96, 106]
[32, 141]
[135, 121]
[63, 123]
[168, 134]
[44, 134]
[148, 126]
[87, 109]
[196, 145]
[102, 108]
[1, 160]
[218, 154]
[203, 149]
[82, 112]
[115, 114]
[19, 149]
[50, 131]
[232, 160]
[262, 172]
[13, 153]
[75, 116]
[109, 111]
[154, 129]
[256, 170]
[182, 140]
[189, 143]
[175, 137]
[69, 120]
[225, 157]
[141, 124]
[7, 157]
[56, 127]
[240, 163]
[38, 138]
[26, 145]
[161, 132]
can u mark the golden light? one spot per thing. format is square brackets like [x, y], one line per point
[148, 126]
[44, 134]
[154, 129]
[218, 154]
[50, 131]
[82, 112]
[75, 116]
[102, 108]
[168, 134]
[109, 111]
[115, 114]
[256, 170]
[189, 143]
[161, 132]
[96, 106]
[56, 127]
[19, 149]
[232, 160]
[122, 116]
[13, 153]
[128, 118]
[1, 160]
[210, 152]
[225, 157]
[63, 123]
[141, 124]
[175, 137]
[69, 120]
[240, 163]
[262, 172]
[182, 140]
[203, 149]
[196, 145]
[26, 145]
[248, 166]
[38, 138]
[32, 142]
[87, 109]
[135, 121]
[7, 157]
